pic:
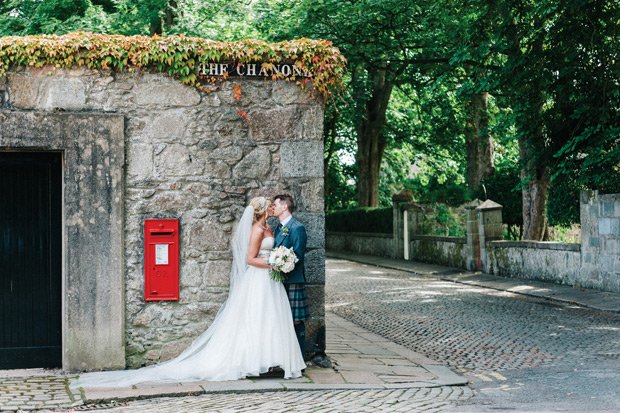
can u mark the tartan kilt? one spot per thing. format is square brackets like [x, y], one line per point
[299, 303]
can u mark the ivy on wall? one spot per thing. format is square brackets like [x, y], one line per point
[179, 56]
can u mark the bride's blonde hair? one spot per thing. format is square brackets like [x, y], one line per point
[260, 205]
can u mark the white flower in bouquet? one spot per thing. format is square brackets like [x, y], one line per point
[284, 259]
[288, 267]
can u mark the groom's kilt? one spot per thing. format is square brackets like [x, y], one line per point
[299, 303]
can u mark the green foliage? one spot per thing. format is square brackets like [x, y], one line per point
[429, 191]
[503, 187]
[550, 67]
[381, 40]
[426, 151]
[375, 220]
[223, 20]
[566, 234]
[441, 220]
[178, 56]
[342, 190]
[340, 183]
[557, 63]
[30, 17]
[563, 203]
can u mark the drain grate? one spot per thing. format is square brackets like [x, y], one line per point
[106, 406]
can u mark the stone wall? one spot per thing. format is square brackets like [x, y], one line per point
[448, 251]
[380, 245]
[190, 155]
[530, 260]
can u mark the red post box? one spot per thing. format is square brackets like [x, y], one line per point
[161, 259]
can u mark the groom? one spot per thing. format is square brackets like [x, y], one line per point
[292, 234]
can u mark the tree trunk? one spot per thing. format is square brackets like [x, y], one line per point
[157, 22]
[535, 177]
[480, 146]
[534, 197]
[370, 147]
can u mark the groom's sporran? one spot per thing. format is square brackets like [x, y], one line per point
[291, 233]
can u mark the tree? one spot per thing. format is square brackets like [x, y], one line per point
[480, 144]
[222, 20]
[381, 40]
[425, 131]
[562, 74]
[24, 17]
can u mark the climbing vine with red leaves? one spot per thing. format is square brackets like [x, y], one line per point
[178, 56]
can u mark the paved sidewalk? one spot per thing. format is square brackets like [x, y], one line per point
[598, 300]
[361, 360]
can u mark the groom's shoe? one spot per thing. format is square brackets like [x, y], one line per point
[273, 372]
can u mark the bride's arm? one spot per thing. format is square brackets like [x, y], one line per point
[256, 237]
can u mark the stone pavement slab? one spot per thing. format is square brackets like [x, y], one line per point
[594, 299]
[361, 360]
[364, 357]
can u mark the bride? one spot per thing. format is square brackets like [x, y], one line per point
[252, 332]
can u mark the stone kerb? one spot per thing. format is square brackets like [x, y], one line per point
[189, 155]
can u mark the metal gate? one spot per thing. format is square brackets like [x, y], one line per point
[30, 259]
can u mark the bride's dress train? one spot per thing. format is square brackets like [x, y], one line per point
[252, 332]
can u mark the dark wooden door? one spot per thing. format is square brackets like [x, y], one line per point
[30, 259]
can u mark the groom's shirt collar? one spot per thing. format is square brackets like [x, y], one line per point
[286, 220]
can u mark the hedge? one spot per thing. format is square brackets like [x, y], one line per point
[376, 220]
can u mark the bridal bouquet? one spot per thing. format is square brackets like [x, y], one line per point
[284, 259]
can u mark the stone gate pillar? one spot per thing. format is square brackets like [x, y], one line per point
[472, 235]
[600, 241]
[490, 228]
[412, 215]
[399, 200]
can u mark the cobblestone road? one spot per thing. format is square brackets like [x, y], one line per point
[520, 353]
[480, 333]
[467, 327]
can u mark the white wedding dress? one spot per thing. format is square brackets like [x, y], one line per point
[252, 332]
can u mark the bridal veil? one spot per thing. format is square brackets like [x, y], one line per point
[196, 362]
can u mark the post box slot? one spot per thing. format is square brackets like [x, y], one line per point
[162, 232]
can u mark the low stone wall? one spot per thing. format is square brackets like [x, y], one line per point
[448, 251]
[542, 261]
[593, 264]
[380, 245]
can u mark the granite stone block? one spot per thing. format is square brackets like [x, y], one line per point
[314, 266]
[315, 229]
[298, 159]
